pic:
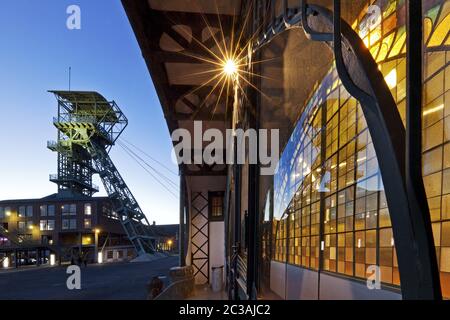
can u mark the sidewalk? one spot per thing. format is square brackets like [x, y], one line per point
[47, 266]
[27, 268]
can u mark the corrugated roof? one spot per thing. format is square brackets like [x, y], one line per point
[84, 97]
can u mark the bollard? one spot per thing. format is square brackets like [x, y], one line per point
[155, 287]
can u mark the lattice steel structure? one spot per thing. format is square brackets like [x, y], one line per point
[200, 238]
[88, 126]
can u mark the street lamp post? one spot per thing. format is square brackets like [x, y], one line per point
[96, 233]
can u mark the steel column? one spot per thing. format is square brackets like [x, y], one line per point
[182, 220]
[420, 213]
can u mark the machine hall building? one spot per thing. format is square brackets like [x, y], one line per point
[363, 178]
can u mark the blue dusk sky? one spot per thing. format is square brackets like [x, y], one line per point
[35, 54]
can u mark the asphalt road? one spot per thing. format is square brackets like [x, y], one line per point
[121, 281]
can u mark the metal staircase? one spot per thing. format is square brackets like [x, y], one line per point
[88, 126]
[19, 241]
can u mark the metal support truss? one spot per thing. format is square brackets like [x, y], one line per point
[131, 216]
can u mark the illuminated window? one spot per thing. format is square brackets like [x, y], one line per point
[47, 225]
[87, 223]
[87, 209]
[86, 240]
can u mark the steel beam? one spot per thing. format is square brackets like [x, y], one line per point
[182, 220]
[420, 213]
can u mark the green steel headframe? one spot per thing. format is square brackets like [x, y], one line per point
[88, 126]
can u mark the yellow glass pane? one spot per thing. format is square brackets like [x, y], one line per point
[386, 256]
[396, 277]
[382, 53]
[433, 135]
[432, 161]
[446, 182]
[445, 235]
[386, 238]
[401, 90]
[387, 42]
[447, 155]
[445, 259]
[399, 42]
[434, 62]
[434, 87]
[434, 205]
[436, 233]
[374, 50]
[375, 35]
[447, 129]
[401, 69]
[433, 184]
[433, 112]
[386, 274]
[446, 207]
[390, 9]
[371, 256]
[427, 26]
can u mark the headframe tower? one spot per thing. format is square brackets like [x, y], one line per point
[88, 126]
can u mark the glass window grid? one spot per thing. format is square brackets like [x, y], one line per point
[436, 149]
[439, 203]
[352, 153]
